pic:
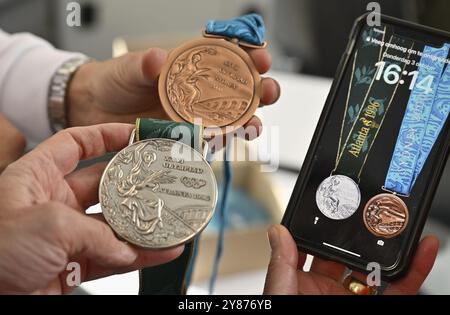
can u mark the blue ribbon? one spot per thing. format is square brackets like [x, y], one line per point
[248, 28]
[222, 212]
[415, 131]
[438, 117]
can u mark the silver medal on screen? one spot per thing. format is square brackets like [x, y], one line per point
[338, 197]
[158, 193]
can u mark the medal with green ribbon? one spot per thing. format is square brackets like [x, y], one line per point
[160, 192]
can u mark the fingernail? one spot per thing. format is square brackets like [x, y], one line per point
[274, 237]
[278, 90]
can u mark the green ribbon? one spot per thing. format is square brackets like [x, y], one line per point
[169, 278]
[187, 133]
[362, 135]
[363, 73]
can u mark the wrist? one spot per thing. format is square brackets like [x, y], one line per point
[80, 97]
[12, 144]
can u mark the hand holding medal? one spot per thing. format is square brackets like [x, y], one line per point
[159, 192]
[212, 81]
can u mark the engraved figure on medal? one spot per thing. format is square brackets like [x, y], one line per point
[212, 80]
[183, 81]
[338, 197]
[145, 201]
[386, 215]
[200, 87]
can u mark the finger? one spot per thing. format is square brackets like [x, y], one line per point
[282, 272]
[85, 183]
[140, 69]
[80, 236]
[420, 268]
[360, 276]
[271, 91]
[12, 143]
[328, 269]
[146, 258]
[98, 216]
[67, 148]
[301, 260]
[252, 129]
[152, 63]
[261, 59]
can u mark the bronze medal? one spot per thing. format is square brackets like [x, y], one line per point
[386, 215]
[213, 80]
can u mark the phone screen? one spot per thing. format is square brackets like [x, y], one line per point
[362, 190]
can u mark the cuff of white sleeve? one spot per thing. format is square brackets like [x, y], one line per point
[26, 91]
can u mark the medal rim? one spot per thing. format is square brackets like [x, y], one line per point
[400, 231]
[184, 241]
[236, 49]
[357, 189]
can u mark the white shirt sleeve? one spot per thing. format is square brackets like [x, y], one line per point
[27, 65]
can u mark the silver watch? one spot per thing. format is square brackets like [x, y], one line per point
[57, 96]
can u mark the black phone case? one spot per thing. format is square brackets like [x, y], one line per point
[407, 251]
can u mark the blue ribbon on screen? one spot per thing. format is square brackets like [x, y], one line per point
[421, 123]
[248, 28]
[438, 117]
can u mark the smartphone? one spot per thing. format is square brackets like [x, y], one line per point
[371, 171]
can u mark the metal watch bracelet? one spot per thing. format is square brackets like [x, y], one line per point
[57, 95]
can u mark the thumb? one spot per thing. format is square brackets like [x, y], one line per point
[12, 143]
[282, 272]
[152, 63]
[140, 69]
[81, 236]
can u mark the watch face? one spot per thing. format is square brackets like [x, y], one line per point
[158, 193]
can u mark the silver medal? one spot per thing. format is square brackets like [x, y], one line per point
[158, 193]
[338, 197]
